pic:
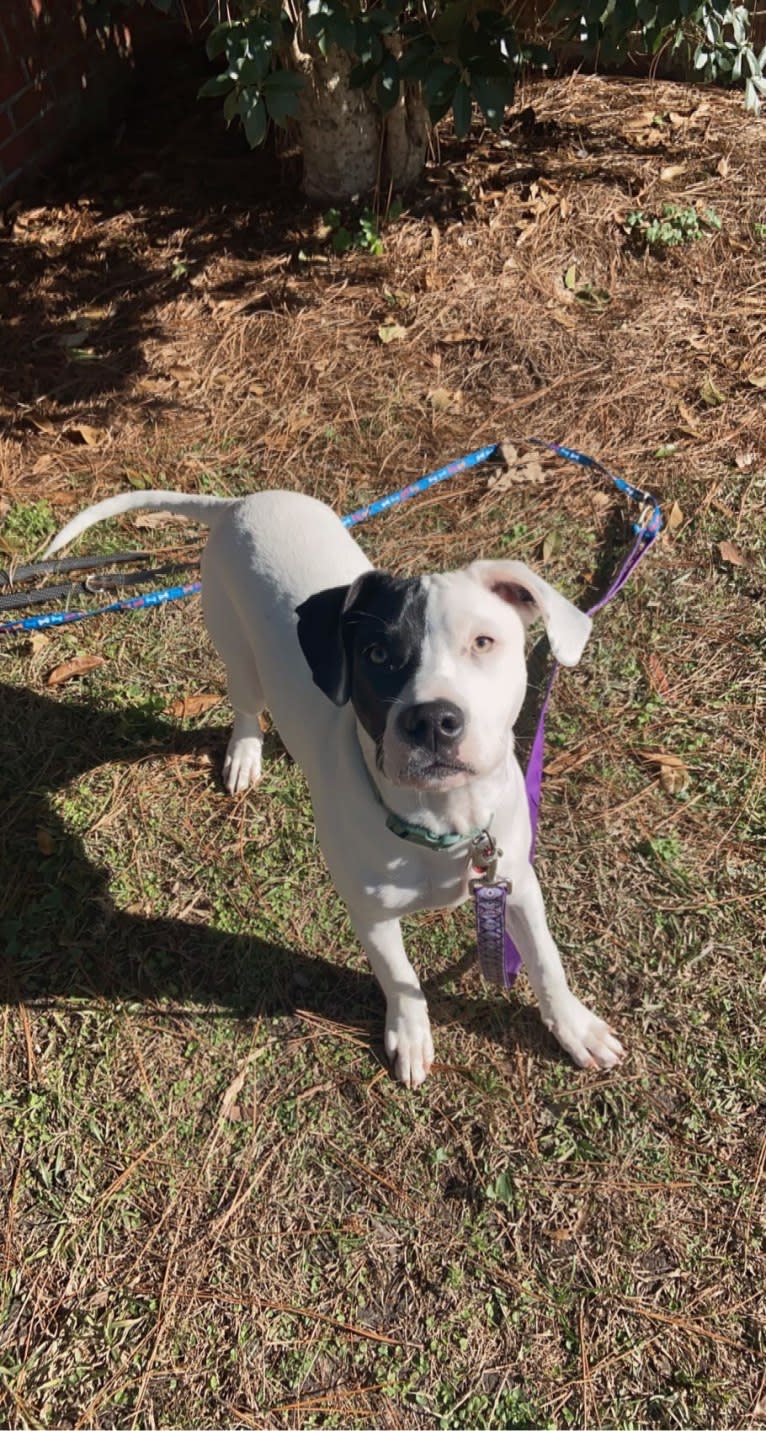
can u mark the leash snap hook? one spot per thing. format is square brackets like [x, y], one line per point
[484, 855]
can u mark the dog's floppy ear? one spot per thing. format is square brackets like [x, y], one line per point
[323, 637]
[567, 627]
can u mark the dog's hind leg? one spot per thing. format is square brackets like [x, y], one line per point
[242, 763]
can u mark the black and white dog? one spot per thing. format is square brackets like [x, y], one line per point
[394, 695]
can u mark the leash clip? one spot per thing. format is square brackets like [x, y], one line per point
[484, 855]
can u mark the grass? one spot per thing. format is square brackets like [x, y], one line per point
[219, 1209]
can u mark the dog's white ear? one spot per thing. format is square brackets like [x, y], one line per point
[567, 627]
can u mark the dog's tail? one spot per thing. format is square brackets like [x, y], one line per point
[197, 509]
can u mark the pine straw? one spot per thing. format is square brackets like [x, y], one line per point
[243, 1221]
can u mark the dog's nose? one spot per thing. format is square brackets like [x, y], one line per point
[434, 725]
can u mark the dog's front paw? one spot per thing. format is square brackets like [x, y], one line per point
[408, 1041]
[242, 766]
[586, 1038]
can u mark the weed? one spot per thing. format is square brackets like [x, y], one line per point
[26, 527]
[674, 226]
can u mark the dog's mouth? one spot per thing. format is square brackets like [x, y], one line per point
[426, 772]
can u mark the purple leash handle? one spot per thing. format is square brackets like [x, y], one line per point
[499, 959]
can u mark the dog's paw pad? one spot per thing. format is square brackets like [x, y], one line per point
[409, 1046]
[586, 1038]
[242, 766]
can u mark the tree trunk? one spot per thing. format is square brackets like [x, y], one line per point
[348, 145]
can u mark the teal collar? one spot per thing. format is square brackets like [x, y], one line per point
[418, 834]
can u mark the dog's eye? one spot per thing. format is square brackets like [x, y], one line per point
[377, 654]
[483, 643]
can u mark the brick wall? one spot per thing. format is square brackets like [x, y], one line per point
[55, 77]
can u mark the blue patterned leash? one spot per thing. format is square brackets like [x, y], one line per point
[363, 514]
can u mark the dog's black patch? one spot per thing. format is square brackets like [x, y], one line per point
[363, 642]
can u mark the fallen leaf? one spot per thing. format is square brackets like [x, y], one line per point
[460, 335]
[671, 172]
[662, 758]
[140, 480]
[723, 166]
[744, 460]
[657, 678]
[570, 277]
[73, 340]
[83, 433]
[568, 760]
[194, 705]
[443, 400]
[551, 544]
[43, 464]
[151, 521]
[391, 332]
[711, 395]
[37, 643]
[675, 518]
[674, 772]
[78, 666]
[45, 843]
[522, 469]
[673, 779]
[757, 380]
[690, 421]
[731, 554]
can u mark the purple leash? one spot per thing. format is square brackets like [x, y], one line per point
[499, 958]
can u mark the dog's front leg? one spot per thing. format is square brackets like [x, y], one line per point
[408, 1030]
[589, 1041]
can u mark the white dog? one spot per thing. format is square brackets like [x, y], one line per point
[394, 695]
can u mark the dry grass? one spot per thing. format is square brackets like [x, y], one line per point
[219, 1209]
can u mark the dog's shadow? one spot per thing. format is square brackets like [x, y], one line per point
[63, 934]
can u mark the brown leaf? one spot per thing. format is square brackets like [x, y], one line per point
[674, 772]
[391, 332]
[657, 678]
[45, 842]
[723, 166]
[84, 434]
[551, 544]
[460, 335]
[731, 554]
[712, 395]
[37, 643]
[194, 705]
[745, 460]
[78, 666]
[690, 422]
[663, 758]
[443, 400]
[671, 172]
[43, 464]
[568, 760]
[757, 380]
[675, 518]
[674, 779]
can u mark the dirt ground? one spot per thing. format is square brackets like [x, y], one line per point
[219, 1209]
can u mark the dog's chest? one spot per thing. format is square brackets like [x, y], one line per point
[423, 879]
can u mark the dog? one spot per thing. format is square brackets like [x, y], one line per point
[398, 697]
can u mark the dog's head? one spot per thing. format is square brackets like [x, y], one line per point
[434, 665]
